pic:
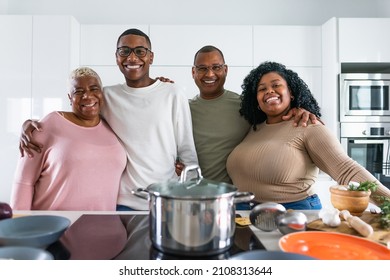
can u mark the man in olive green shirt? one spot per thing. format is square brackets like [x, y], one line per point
[217, 124]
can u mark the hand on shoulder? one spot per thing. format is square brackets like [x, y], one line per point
[301, 117]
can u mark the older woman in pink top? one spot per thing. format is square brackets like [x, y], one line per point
[82, 160]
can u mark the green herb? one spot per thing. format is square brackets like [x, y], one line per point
[363, 186]
[385, 211]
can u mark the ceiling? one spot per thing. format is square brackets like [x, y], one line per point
[210, 12]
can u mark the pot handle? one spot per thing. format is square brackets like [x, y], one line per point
[183, 175]
[243, 197]
[141, 193]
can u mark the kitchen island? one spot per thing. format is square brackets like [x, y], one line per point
[113, 250]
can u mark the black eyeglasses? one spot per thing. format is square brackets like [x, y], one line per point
[202, 69]
[126, 51]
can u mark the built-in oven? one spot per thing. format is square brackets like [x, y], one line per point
[364, 97]
[368, 144]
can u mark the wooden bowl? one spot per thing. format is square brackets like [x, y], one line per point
[356, 202]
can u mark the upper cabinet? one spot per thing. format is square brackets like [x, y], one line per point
[15, 79]
[36, 54]
[55, 52]
[298, 46]
[15, 97]
[177, 44]
[364, 40]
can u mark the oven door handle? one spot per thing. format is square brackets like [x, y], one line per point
[370, 141]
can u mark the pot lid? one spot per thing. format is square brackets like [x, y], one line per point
[194, 188]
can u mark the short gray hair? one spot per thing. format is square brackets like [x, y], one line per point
[83, 72]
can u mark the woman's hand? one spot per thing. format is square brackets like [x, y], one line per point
[179, 166]
[301, 117]
[27, 144]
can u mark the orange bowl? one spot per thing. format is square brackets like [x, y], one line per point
[356, 202]
[332, 246]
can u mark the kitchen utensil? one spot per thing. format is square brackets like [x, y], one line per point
[269, 255]
[333, 246]
[263, 216]
[353, 201]
[24, 253]
[32, 231]
[193, 216]
[358, 224]
[291, 222]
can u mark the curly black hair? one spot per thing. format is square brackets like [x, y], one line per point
[303, 97]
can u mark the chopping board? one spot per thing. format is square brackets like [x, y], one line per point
[380, 235]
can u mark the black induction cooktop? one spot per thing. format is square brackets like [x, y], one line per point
[126, 237]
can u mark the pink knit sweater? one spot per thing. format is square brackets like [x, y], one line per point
[79, 168]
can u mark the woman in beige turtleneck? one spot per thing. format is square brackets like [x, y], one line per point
[279, 162]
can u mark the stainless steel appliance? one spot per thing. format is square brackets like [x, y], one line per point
[193, 217]
[368, 144]
[365, 97]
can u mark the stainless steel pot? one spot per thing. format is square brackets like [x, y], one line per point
[195, 216]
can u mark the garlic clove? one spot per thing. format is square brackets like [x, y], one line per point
[330, 216]
[353, 185]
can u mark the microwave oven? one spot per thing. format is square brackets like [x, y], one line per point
[364, 97]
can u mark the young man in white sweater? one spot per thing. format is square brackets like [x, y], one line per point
[151, 118]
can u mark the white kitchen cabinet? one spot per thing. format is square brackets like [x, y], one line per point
[15, 96]
[56, 41]
[177, 44]
[330, 74]
[235, 78]
[36, 54]
[312, 77]
[364, 40]
[290, 45]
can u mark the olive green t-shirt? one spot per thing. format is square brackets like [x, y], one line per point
[218, 128]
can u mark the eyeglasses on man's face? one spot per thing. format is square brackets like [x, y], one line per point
[203, 69]
[126, 51]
